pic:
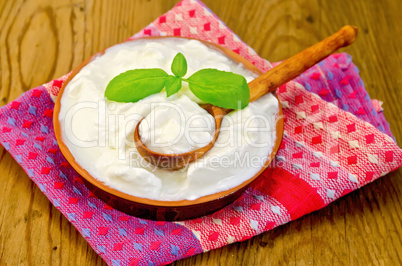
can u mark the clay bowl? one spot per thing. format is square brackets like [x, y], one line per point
[155, 209]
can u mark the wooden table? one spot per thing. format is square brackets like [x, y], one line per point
[44, 39]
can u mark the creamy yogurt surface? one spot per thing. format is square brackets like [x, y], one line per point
[100, 133]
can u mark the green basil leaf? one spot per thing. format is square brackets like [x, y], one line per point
[172, 85]
[179, 65]
[134, 85]
[220, 88]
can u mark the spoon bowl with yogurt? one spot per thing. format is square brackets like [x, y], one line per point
[264, 84]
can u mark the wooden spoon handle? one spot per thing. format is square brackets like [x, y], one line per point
[299, 63]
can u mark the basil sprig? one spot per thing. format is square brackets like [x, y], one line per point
[220, 88]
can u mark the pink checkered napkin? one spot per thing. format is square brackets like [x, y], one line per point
[336, 140]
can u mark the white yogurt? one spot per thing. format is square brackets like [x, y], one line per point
[177, 127]
[99, 132]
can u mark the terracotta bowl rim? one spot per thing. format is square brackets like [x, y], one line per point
[180, 203]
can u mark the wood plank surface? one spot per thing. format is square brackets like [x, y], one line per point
[44, 39]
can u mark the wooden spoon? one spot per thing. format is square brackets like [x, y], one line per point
[266, 83]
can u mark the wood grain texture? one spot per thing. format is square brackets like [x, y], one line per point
[44, 39]
[299, 63]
